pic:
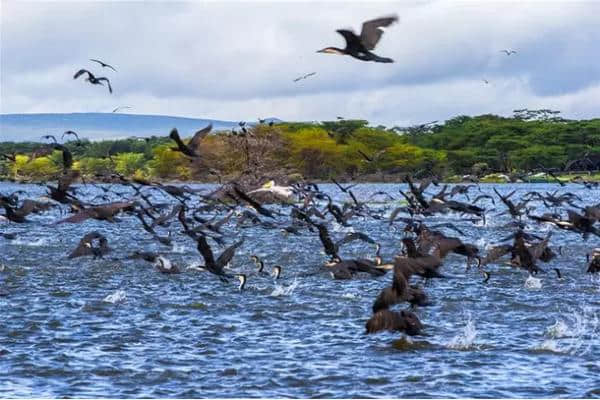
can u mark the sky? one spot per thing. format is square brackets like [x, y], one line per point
[236, 60]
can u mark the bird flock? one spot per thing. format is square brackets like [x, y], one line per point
[303, 210]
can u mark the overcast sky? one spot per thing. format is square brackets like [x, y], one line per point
[237, 60]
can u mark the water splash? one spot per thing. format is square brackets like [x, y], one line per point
[533, 283]
[466, 339]
[575, 332]
[179, 248]
[117, 297]
[35, 243]
[282, 290]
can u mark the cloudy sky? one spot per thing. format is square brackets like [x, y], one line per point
[236, 60]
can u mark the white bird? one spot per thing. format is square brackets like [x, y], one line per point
[283, 192]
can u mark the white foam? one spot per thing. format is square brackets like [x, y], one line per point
[465, 339]
[117, 297]
[533, 283]
[179, 248]
[575, 332]
[282, 290]
[35, 243]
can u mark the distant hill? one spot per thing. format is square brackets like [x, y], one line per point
[97, 126]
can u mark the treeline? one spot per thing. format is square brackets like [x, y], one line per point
[344, 149]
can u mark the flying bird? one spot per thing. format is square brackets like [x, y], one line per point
[104, 65]
[508, 52]
[360, 46]
[304, 76]
[120, 108]
[92, 79]
[70, 133]
[191, 148]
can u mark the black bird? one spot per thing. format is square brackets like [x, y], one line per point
[191, 148]
[92, 79]
[360, 47]
[71, 133]
[86, 246]
[46, 137]
[403, 321]
[216, 267]
[103, 64]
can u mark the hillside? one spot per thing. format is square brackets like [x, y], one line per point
[99, 126]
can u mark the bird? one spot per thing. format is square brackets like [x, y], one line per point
[120, 108]
[92, 79]
[165, 266]
[243, 280]
[86, 246]
[403, 321]
[276, 273]
[212, 266]
[360, 47]
[304, 76]
[508, 52]
[486, 81]
[71, 133]
[103, 64]
[191, 148]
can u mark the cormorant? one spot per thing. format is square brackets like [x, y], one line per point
[360, 46]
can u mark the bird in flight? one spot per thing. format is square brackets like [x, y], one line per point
[486, 81]
[120, 108]
[191, 149]
[508, 52]
[92, 79]
[360, 46]
[304, 76]
[104, 65]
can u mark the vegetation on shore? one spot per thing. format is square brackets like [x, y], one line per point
[343, 149]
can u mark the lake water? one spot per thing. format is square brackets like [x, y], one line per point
[117, 328]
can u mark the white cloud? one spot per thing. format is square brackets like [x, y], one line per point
[236, 60]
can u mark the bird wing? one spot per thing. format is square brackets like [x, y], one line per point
[206, 251]
[198, 136]
[371, 30]
[352, 41]
[354, 236]
[175, 136]
[228, 254]
[107, 83]
[330, 248]
[81, 72]
[79, 217]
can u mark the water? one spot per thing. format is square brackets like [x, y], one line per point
[118, 328]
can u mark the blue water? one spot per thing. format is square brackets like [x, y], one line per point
[117, 328]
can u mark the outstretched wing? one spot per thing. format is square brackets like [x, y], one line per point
[352, 41]
[354, 236]
[371, 30]
[81, 72]
[228, 254]
[198, 136]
